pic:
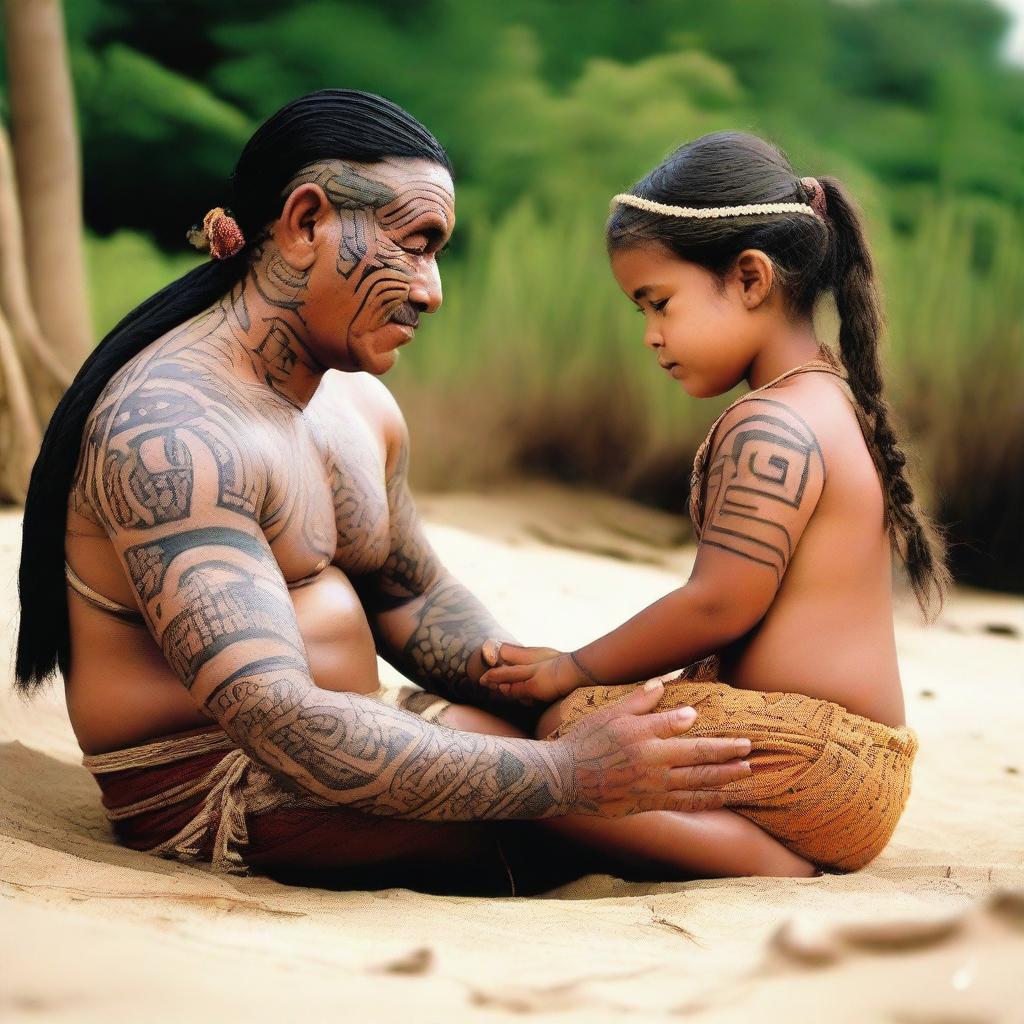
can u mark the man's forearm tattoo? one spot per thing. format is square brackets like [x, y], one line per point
[447, 622]
[361, 753]
[760, 469]
[449, 625]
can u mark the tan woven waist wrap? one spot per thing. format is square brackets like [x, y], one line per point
[828, 784]
[234, 787]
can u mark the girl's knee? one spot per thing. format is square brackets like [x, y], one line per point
[783, 864]
[549, 721]
[466, 718]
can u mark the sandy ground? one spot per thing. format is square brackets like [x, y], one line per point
[933, 931]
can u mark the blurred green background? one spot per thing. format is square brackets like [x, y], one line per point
[549, 108]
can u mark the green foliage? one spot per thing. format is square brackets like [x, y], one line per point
[124, 269]
[154, 143]
[548, 109]
[531, 95]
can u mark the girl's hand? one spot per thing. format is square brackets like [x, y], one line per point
[503, 652]
[533, 675]
[492, 653]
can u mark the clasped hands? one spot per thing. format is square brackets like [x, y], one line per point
[532, 675]
[631, 739]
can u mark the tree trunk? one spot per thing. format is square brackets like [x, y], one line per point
[20, 435]
[49, 172]
[46, 376]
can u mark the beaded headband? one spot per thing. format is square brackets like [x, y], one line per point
[815, 207]
[219, 234]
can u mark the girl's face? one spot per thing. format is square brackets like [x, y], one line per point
[699, 327]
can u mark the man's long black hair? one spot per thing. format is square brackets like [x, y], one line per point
[330, 124]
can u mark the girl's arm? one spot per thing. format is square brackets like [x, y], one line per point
[765, 476]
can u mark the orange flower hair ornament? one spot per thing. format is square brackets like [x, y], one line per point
[219, 234]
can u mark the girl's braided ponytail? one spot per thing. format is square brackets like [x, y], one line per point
[861, 322]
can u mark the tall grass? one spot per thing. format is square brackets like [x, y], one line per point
[535, 365]
[957, 354]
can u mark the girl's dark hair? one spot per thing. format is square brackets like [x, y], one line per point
[811, 256]
[330, 124]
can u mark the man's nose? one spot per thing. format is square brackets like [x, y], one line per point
[425, 292]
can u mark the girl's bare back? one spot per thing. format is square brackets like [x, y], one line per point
[829, 632]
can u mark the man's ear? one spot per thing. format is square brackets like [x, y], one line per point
[303, 216]
[753, 275]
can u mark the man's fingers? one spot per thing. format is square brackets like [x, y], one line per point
[502, 652]
[683, 800]
[666, 724]
[708, 776]
[639, 702]
[683, 752]
[695, 801]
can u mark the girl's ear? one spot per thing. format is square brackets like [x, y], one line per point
[754, 276]
[296, 229]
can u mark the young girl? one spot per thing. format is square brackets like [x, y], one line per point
[798, 496]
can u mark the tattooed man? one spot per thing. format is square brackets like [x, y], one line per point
[241, 544]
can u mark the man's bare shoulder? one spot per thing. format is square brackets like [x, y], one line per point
[176, 386]
[160, 424]
[369, 397]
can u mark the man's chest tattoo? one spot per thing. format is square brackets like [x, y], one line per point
[355, 474]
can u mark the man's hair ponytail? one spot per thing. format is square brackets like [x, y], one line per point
[852, 274]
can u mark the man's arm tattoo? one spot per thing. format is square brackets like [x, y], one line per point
[355, 751]
[443, 622]
[213, 597]
[449, 624]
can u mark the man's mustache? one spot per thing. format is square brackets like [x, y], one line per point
[406, 314]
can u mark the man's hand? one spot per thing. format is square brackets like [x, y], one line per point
[623, 760]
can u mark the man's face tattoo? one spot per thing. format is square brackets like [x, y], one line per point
[375, 272]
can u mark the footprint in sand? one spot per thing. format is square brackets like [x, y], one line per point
[942, 969]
